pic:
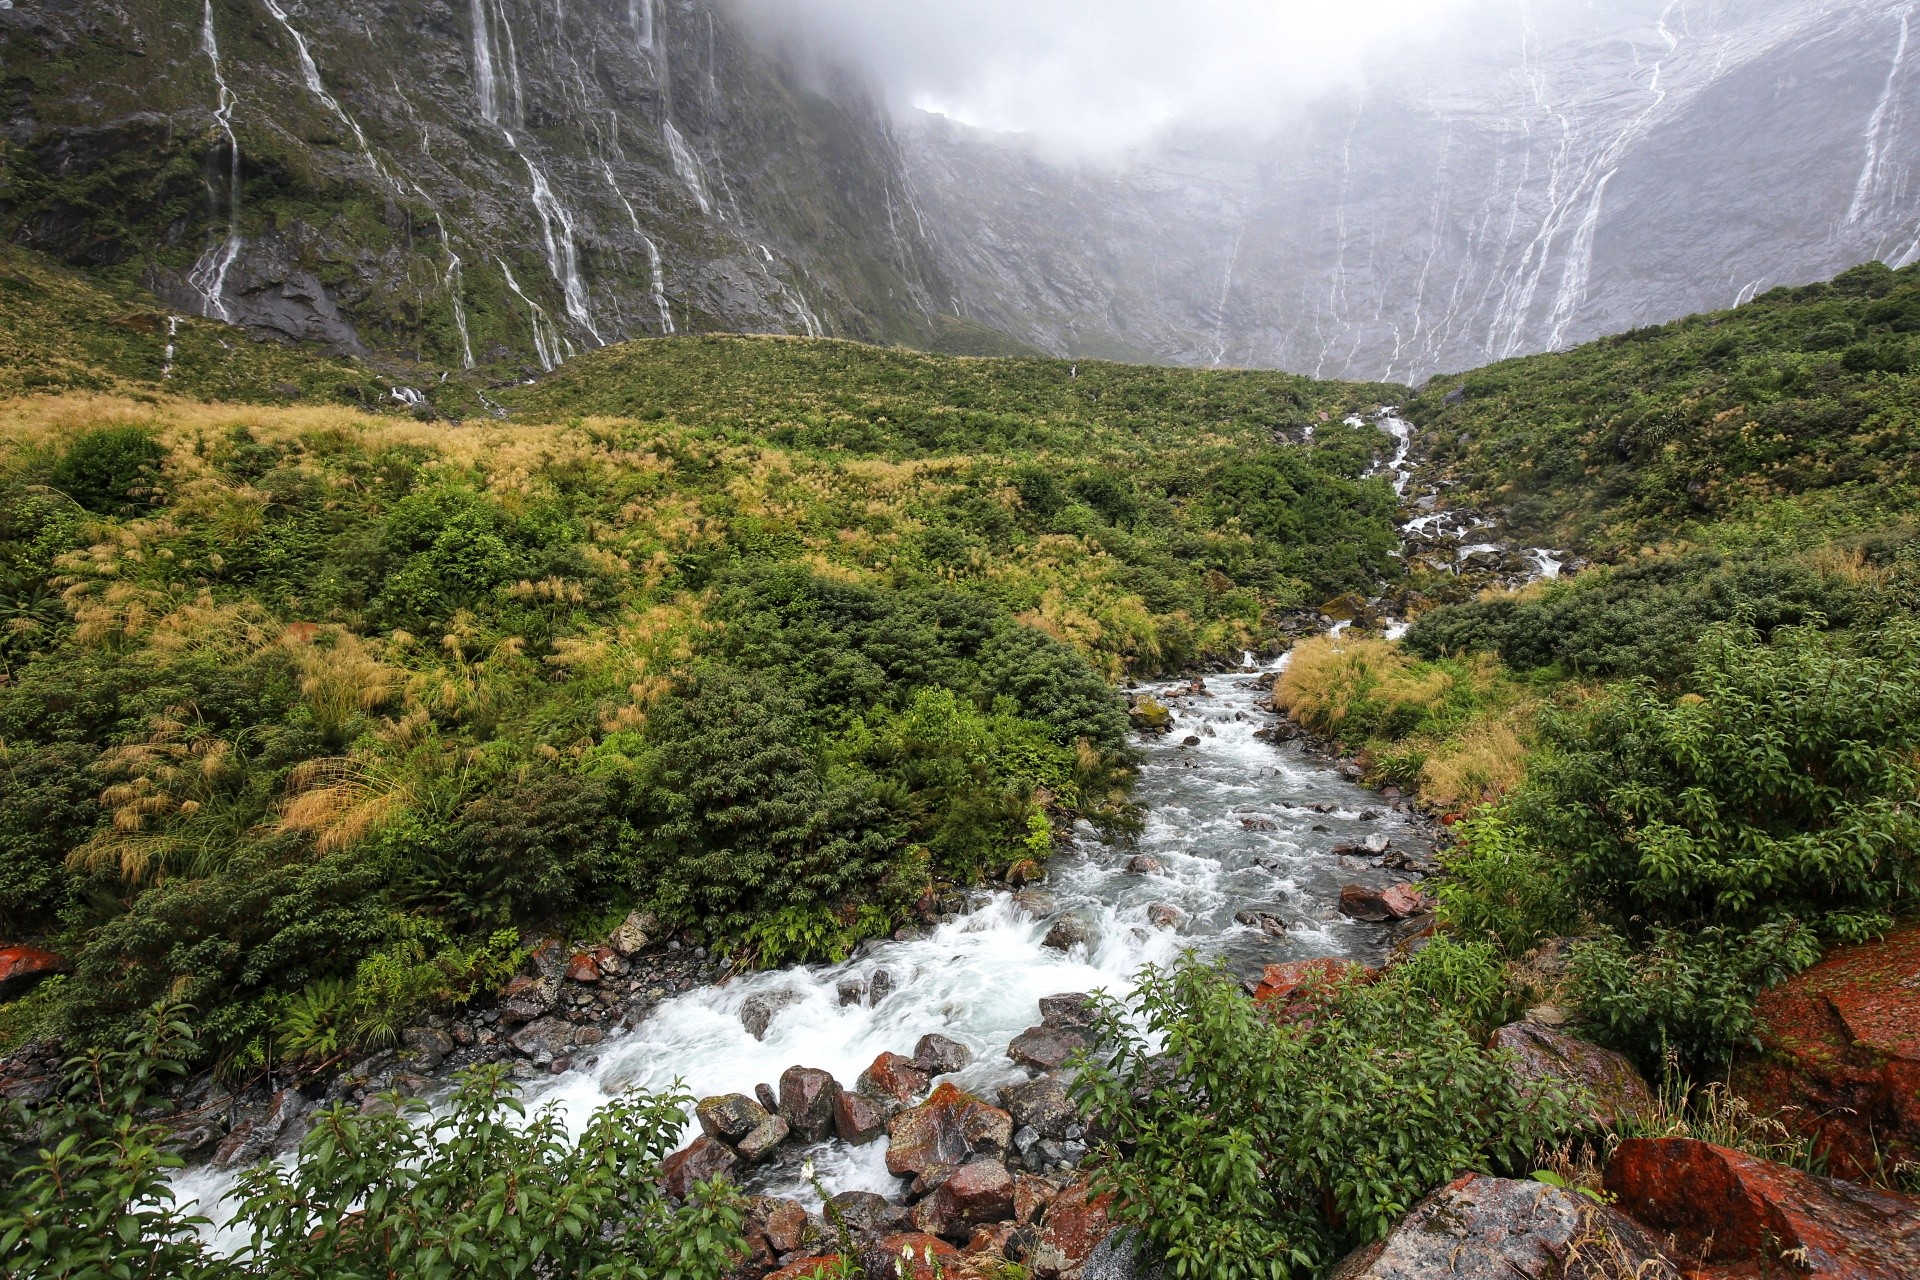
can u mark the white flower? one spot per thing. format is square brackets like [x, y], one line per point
[806, 1171]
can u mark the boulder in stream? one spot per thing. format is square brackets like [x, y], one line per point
[858, 1118]
[1045, 1048]
[1069, 932]
[1042, 1105]
[978, 1192]
[895, 1079]
[1073, 1010]
[731, 1116]
[702, 1160]
[765, 1137]
[938, 1055]
[758, 1011]
[949, 1128]
[806, 1102]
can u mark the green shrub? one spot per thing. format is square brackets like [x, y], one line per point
[1499, 886]
[1244, 1147]
[1468, 979]
[111, 471]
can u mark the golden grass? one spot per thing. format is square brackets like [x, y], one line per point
[1330, 678]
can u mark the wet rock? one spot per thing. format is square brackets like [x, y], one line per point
[992, 1239]
[252, 1141]
[851, 990]
[1615, 1090]
[938, 1055]
[866, 1212]
[809, 1268]
[880, 986]
[978, 1192]
[918, 1257]
[731, 1116]
[543, 1040]
[1842, 1054]
[1191, 740]
[1164, 915]
[1025, 872]
[1265, 921]
[1142, 865]
[1035, 904]
[782, 1222]
[1376, 906]
[1075, 1223]
[1041, 1104]
[23, 966]
[1281, 983]
[806, 1102]
[1069, 932]
[857, 1118]
[703, 1160]
[1259, 824]
[428, 1045]
[584, 969]
[1481, 1226]
[895, 1079]
[1072, 1010]
[764, 1138]
[634, 933]
[763, 1094]
[1734, 1208]
[527, 998]
[949, 1128]
[758, 1011]
[1031, 1196]
[1045, 1048]
[1376, 842]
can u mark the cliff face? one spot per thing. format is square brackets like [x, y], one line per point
[1555, 171]
[484, 182]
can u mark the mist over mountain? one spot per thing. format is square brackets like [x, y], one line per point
[1385, 192]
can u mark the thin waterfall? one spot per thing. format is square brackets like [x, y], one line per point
[1863, 190]
[453, 283]
[310, 71]
[209, 275]
[485, 83]
[653, 251]
[687, 165]
[556, 231]
[546, 339]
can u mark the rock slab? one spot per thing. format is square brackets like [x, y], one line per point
[1613, 1089]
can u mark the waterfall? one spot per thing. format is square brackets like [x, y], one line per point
[486, 85]
[687, 165]
[640, 17]
[546, 339]
[1863, 190]
[795, 299]
[209, 275]
[653, 251]
[556, 231]
[453, 283]
[310, 72]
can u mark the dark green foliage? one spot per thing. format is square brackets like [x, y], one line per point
[1247, 1147]
[480, 1190]
[46, 804]
[111, 471]
[1684, 997]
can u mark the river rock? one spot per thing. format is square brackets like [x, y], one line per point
[583, 968]
[851, 990]
[634, 933]
[858, 1118]
[703, 1160]
[527, 998]
[1072, 1010]
[810, 1268]
[731, 1116]
[1164, 915]
[1142, 865]
[978, 1192]
[879, 986]
[938, 1055]
[1035, 904]
[1042, 1105]
[1067, 933]
[1121, 1256]
[1045, 1048]
[1025, 872]
[1481, 1226]
[22, 966]
[867, 1212]
[1742, 1210]
[252, 1141]
[758, 1011]
[806, 1102]
[782, 1222]
[894, 1078]
[1395, 902]
[1615, 1091]
[1280, 983]
[763, 1094]
[910, 1255]
[763, 1139]
[543, 1040]
[1031, 1196]
[1259, 824]
[1076, 1222]
[1264, 921]
[428, 1045]
[949, 1128]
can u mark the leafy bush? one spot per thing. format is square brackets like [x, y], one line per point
[1690, 996]
[1242, 1147]
[1499, 886]
[110, 470]
[1468, 979]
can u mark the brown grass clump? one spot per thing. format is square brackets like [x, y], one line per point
[1333, 684]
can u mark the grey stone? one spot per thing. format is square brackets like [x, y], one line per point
[1069, 932]
[731, 1116]
[758, 1011]
[1041, 1104]
[1070, 1009]
[760, 1143]
[1045, 1048]
[543, 1040]
[938, 1055]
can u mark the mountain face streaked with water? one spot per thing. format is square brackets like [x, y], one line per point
[1559, 172]
[506, 182]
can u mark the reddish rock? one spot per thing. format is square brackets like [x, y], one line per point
[1377, 906]
[703, 1160]
[991, 1240]
[21, 965]
[1842, 1055]
[1614, 1090]
[1502, 1227]
[782, 1222]
[1279, 983]
[895, 1078]
[817, 1267]
[949, 1128]
[1031, 1196]
[1075, 1224]
[975, 1194]
[857, 1118]
[1045, 1048]
[910, 1250]
[1723, 1207]
[583, 968]
[806, 1102]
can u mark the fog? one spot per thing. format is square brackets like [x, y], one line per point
[1101, 76]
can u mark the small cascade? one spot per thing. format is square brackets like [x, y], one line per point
[794, 298]
[1876, 142]
[640, 18]
[167, 352]
[687, 165]
[209, 275]
[453, 283]
[556, 231]
[547, 342]
[486, 83]
[653, 252]
[310, 71]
